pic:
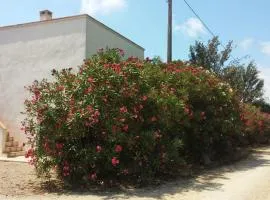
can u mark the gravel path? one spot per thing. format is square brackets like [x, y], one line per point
[246, 180]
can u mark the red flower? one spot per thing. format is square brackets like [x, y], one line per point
[66, 169]
[98, 149]
[29, 153]
[123, 109]
[118, 148]
[36, 97]
[115, 161]
[116, 68]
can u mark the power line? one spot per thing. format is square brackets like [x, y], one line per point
[204, 24]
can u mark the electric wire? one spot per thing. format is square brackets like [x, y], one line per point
[205, 25]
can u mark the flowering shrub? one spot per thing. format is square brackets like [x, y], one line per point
[127, 120]
[256, 124]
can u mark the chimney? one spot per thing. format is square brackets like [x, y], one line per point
[45, 15]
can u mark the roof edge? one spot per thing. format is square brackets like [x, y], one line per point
[67, 18]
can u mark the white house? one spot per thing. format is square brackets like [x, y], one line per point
[29, 51]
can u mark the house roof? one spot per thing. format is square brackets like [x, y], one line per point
[69, 18]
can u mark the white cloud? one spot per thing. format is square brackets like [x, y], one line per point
[265, 48]
[246, 44]
[191, 27]
[265, 75]
[93, 7]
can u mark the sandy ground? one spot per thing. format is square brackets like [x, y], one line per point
[246, 180]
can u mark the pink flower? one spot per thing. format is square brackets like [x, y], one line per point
[118, 148]
[123, 109]
[90, 80]
[98, 149]
[203, 115]
[125, 172]
[92, 176]
[105, 99]
[125, 128]
[66, 169]
[122, 52]
[88, 90]
[186, 109]
[153, 119]
[261, 123]
[115, 161]
[90, 109]
[30, 153]
[144, 98]
[60, 88]
[116, 68]
[106, 66]
[59, 145]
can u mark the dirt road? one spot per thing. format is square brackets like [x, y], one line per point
[246, 180]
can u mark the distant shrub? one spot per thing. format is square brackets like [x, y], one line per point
[128, 120]
[256, 124]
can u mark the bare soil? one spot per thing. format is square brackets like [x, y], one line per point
[248, 179]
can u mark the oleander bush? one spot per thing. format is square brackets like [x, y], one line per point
[116, 120]
[256, 124]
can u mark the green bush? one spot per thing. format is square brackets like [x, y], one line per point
[129, 120]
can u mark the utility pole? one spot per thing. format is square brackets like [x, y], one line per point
[169, 44]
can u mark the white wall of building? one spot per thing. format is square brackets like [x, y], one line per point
[29, 52]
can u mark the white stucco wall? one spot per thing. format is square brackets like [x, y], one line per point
[1, 140]
[29, 53]
[99, 36]
[3, 136]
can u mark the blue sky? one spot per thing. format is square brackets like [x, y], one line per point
[145, 22]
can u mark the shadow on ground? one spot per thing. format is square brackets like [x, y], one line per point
[206, 180]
